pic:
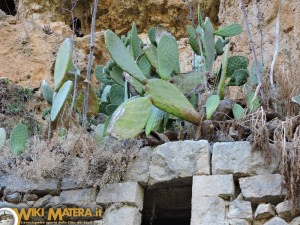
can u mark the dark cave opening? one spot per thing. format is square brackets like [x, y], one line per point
[167, 206]
[9, 7]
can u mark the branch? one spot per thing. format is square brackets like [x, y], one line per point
[89, 68]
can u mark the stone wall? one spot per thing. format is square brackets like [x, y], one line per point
[225, 183]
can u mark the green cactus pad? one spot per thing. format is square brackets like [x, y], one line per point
[253, 78]
[230, 30]
[238, 112]
[47, 92]
[130, 118]
[60, 99]
[102, 107]
[212, 104]
[151, 36]
[192, 39]
[168, 56]
[122, 56]
[151, 53]
[18, 139]
[235, 63]
[116, 74]
[2, 137]
[252, 105]
[135, 42]
[105, 93]
[45, 113]
[188, 82]
[110, 64]
[116, 94]
[209, 44]
[101, 75]
[169, 98]
[239, 77]
[110, 109]
[63, 63]
[219, 46]
[296, 99]
[145, 65]
[155, 120]
[137, 86]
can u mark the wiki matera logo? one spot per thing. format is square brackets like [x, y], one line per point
[8, 217]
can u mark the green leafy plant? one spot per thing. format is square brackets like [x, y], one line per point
[19, 139]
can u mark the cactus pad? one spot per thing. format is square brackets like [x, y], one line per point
[230, 30]
[209, 44]
[219, 46]
[145, 65]
[151, 36]
[155, 119]
[47, 92]
[130, 118]
[102, 107]
[187, 83]
[192, 39]
[168, 56]
[212, 104]
[151, 53]
[2, 137]
[63, 63]
[18, 139]
[238, 111]
[110, 109]
[122, 56]
[135, 42]
[169, 98]
[101, 75]
[239, 77]
[116, 94]
[116, 74]
[60, 99]
[105, 93]
[235, 63]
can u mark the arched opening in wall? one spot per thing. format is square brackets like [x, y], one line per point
[8, 6]
[168, 206]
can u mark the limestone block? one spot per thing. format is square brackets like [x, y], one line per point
[80, 197]
[129, 192]
[215, 185]
[284, 210]
[208, 211]
[238, 222]
[238, 159]
[125, 215]
[16, 184]
[295, 221]
[138, 169]
[181, 159]
[264, 211]
[276, 221]
[239, 209]
[14, 198]
[263, 188]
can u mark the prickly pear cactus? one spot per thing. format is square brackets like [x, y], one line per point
[145, 65]
[116, 94]
[169, 98]
[2, 137]
[102, 76]
[116, 74]
[151, 53]
[63, 63]
[151, 36]
[19, 139]
[238, 112]
[135, 42]
[296, 99]
[47, 92]
[219, 46]
[105, 93]
[130, 118]
[168, 56]
[155, 120]
[111, 108]
[102, 107]
[60, 99]
[230, 30]
[252, 104]
[192, 39]
[188, 82]
[212, 104]
[209, 44]
[235, 63]
[239, 77]
[122, 56]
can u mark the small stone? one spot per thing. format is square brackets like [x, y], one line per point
[129, 192]
[14, 198]
[276, 221]
[284, 210]
[295, 221]
[80, 197]
[30, 197]
[11, 19]
[215, 185]
[238, 222]
[125, 215]
[264, 211]
[263, 188]
[12, 205]
[42, 202]
[239, 209]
